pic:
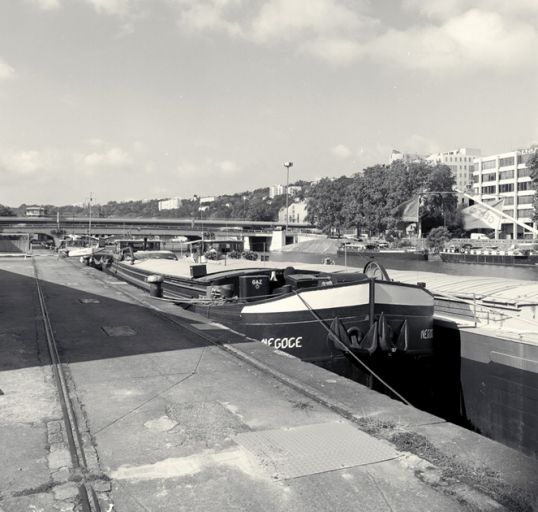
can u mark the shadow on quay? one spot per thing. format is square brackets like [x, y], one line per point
[86, 326]
[93, 326]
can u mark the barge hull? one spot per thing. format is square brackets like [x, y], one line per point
[497, 380]
[489, 259]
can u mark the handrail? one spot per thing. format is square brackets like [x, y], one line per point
[490, 308]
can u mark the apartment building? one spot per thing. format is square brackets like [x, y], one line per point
[506, 176]
[461, 163]
[170, 204]
[297, 212]
[278, 190]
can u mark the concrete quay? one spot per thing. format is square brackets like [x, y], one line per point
[178, 414]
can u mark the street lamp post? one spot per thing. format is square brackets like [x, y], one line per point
[287, 165]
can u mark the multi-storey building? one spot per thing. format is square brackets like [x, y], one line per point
[170, 204]
[297, 212]
[278, 190]
[506, 176]
[461, 163]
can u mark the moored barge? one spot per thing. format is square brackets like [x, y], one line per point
[360, 254]
[486, 346]
[490, 256]
[314, 315]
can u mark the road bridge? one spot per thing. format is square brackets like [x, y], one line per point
[255, 233]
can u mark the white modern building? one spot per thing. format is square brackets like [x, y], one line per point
[506, 176]
[278, 190]
[35, 211]
[170, 204]
[461, 163]
[296, 212]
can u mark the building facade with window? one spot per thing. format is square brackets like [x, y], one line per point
[278, 190]
[297, 212]
[35, 211]
[506, 176]
[461, 163]
[170, 204]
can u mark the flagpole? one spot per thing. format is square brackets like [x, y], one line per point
[419, 224]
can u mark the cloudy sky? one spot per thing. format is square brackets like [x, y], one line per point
[133, 99]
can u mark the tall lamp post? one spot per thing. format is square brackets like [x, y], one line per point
[287, 165]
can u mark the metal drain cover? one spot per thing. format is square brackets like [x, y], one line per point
[118, 330]
[300, 451]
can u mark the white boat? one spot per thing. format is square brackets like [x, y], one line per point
[77, 246]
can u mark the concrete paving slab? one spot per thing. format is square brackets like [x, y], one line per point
[40, 502]
[24, 458]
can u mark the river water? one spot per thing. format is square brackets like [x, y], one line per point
[529, 273]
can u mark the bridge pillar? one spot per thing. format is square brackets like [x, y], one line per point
[278, 241]
[246, 243]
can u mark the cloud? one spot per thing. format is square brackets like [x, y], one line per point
[22, 162]
[209, 16]
[474, 40]
[6, 71]
[285, 19]
[112, 7]
[446, 34]
[419, 144]
[32, 168]
[335, 50]
[114, 157]
[341, 151]
[209, 168]
[187, 169]
[443, 9]
[228, 167]
[46, 5]
[314, 26]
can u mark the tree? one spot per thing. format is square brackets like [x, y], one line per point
[438, 237]
[325, 204]
[5, 211]
[377, 191]
[439, 209]
[260, 211]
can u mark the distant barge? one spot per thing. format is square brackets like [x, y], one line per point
[490, 256]
[360, 254]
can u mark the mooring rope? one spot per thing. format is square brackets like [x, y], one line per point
[349, 352]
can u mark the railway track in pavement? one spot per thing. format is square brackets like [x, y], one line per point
[84, 471]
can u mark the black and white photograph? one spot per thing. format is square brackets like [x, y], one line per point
[268, 255]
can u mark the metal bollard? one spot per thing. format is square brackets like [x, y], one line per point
[155, 285]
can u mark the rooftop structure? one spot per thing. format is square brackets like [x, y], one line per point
[398, 156]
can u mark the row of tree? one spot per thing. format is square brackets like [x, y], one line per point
[367, 200]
